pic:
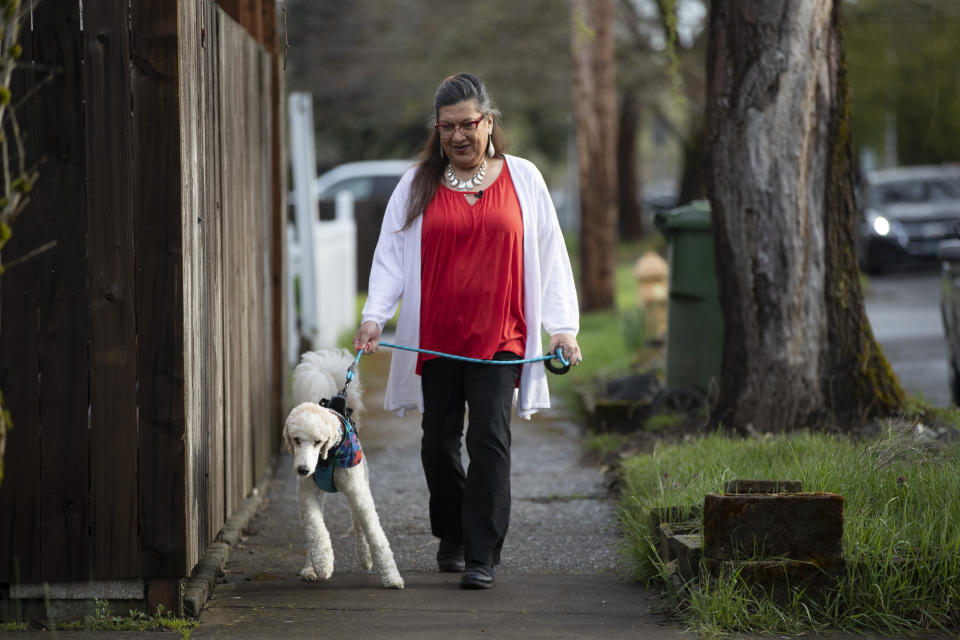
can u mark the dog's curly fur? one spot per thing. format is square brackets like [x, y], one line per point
[309, 432]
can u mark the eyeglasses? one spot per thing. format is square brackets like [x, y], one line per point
[467, 128]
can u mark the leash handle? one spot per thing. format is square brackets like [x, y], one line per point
[565, 364]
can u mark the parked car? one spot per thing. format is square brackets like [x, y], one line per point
[949, 254]
[368, 179]
[905, 213]
[371, 182]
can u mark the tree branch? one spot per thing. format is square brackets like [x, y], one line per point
[30, 254]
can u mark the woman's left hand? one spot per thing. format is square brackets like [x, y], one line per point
[571, 350]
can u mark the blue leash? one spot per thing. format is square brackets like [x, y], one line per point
[547, 360]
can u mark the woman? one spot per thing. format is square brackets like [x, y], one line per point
[470, 242]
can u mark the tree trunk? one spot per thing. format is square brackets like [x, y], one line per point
[631, 221]
[594, 99]
[798, 348]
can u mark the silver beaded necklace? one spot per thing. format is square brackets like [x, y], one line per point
[474, 181]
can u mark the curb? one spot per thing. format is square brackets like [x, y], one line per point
[203, 578]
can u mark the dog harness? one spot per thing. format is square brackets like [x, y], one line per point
[345, 454]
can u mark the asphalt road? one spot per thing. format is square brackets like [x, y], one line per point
[904, 311]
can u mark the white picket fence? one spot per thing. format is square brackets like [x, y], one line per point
[335, 272]
[322, 262]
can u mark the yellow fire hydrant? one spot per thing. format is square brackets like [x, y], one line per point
[652, 274]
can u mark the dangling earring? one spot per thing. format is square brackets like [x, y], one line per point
[490, 149]
[442, 155]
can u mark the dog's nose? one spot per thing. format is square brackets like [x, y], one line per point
[303, 469]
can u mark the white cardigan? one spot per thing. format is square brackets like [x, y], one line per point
[550, 297]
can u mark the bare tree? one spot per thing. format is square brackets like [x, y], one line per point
[594, 99]
[798, 349]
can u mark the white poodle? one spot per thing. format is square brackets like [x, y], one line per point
[311, 432]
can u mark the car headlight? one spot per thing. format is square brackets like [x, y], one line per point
[881, 226]
[884, 227]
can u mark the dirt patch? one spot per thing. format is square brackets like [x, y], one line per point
[682, 429]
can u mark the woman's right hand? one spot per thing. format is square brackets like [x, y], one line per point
[367, 337]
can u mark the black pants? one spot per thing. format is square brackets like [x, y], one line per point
[472, 507]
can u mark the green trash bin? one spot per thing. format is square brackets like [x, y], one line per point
[694, 319]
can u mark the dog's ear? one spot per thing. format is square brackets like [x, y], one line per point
[332, 424]
[286, 435]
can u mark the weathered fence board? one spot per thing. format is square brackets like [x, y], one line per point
[245, 231]
[266, 443]
[159, 284]
[203, 316]
[62, 316]
[232, 293]
[113, 374]
[214, 358]
[278, 228]
[191, 152]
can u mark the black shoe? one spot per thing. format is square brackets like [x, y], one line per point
[450, 558]
[477, 576]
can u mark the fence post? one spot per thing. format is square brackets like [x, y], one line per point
[294, 260]
[303, 166]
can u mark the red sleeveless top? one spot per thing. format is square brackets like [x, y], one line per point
[471, 274]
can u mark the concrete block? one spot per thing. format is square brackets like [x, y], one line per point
[669, 531]
[672, 515]
[233, 527]
[742, 485]
[49, 612]
[86, 590]
[798, 526]
[194, 597]
[686, 548]
[619, 415]
[202, 581]
[780, 580]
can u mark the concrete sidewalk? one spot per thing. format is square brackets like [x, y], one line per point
[557, 578]
[522, 605]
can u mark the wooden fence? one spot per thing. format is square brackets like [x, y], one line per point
[141, 358]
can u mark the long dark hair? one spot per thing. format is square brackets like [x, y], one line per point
[431, 162]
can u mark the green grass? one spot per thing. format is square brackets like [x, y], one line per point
[902, 501]
[102, 620]
[662, 421]
[604, 443]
